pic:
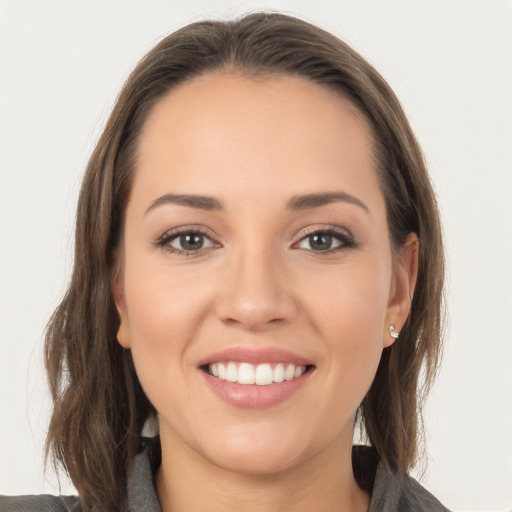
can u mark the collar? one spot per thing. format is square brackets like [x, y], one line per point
[390, 491]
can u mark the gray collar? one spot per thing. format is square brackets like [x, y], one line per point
[391, 492]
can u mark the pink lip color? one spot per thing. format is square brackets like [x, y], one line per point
[252, 356]
[252, 395]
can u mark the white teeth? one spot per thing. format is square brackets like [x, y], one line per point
[261, 374]
[246, 374]
[279, 373]
[232, 372]
[290, 372]
[264, 375]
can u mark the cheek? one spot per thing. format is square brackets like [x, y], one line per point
[349, 312]
[162, 301]
[164, 314]
[350, 304]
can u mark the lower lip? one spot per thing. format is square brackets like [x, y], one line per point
[253, 396]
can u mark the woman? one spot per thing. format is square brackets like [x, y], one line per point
[258, 268]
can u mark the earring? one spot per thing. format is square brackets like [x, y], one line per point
[392, 332]
[150, 427]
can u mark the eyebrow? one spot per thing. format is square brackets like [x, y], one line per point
[304, 202]
[316, 200]
[191, 200]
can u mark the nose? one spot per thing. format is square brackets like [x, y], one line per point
[257, 294]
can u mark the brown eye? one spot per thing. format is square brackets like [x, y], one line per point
[327, 241]
[189, 242]
[320, 241]
[186, 242]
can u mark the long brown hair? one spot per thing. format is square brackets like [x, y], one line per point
[99, 407]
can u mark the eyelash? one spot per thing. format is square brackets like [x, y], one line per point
[165, 240]
[345, 239]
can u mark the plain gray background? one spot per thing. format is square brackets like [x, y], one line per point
[62, 64]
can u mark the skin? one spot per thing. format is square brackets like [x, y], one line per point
[258, 282]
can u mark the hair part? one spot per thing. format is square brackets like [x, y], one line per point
[99, 406]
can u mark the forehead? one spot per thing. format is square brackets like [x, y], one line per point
[226, 129]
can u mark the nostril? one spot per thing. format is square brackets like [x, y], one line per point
[255, 307]
[254, 322]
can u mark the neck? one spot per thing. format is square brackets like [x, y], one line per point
[323, 483]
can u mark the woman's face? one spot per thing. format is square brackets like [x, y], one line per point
[257, 283]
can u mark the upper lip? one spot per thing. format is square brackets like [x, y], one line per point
[255, 356]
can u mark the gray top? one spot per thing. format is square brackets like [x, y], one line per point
[390, 492]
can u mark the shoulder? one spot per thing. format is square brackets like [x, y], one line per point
[39, 503]
[415, 497]
[390, 491]
[395, 492]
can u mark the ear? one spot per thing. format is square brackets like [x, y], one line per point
[402, 287]
[123, 333]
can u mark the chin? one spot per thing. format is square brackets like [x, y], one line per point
[257, 451]
[254, 463]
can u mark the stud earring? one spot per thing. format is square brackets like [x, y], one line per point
[392, 332]
[150, 427]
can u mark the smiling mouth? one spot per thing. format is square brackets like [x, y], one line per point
[259, 374]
